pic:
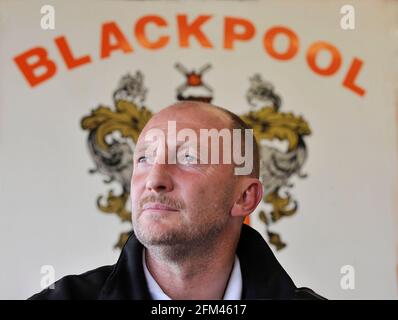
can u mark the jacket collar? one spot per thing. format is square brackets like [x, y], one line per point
[262, 275]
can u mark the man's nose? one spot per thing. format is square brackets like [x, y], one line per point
[159, 178]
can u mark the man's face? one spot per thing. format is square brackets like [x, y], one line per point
[184, 202]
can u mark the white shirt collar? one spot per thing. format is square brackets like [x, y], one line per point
[232, 292]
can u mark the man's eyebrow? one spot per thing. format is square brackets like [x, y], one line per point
[143, 146]
[184, 142]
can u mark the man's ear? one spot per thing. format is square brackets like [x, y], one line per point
[249, 197]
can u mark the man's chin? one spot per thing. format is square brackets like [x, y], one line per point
[168, 239]
[156, 234]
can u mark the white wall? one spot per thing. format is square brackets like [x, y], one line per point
[347, 212]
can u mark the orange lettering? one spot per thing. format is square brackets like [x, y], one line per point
[111, 29]
[70, 61]
[28, 69]
[269, 38]
[186, 30]
[335, 63]
[140, 32]
[351, 76]
[230, 34]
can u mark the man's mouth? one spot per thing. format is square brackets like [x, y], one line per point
[155, 206]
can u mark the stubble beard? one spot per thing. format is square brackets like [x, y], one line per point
[188, 238]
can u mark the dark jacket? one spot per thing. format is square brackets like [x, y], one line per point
[262, 275]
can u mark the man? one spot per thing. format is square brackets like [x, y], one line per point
[189, 240]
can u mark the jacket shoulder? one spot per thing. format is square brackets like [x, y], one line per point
[304, 293]
[85, 286]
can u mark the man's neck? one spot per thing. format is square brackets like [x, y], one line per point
[195, 276]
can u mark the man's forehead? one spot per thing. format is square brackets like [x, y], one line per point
[191, 113]
[143, 145]
[189, 117]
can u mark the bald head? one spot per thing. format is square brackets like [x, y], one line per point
[207, 114]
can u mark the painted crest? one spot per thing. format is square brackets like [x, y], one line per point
[113, 133]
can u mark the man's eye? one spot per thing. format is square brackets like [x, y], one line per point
[189, 158]
[142, 159]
